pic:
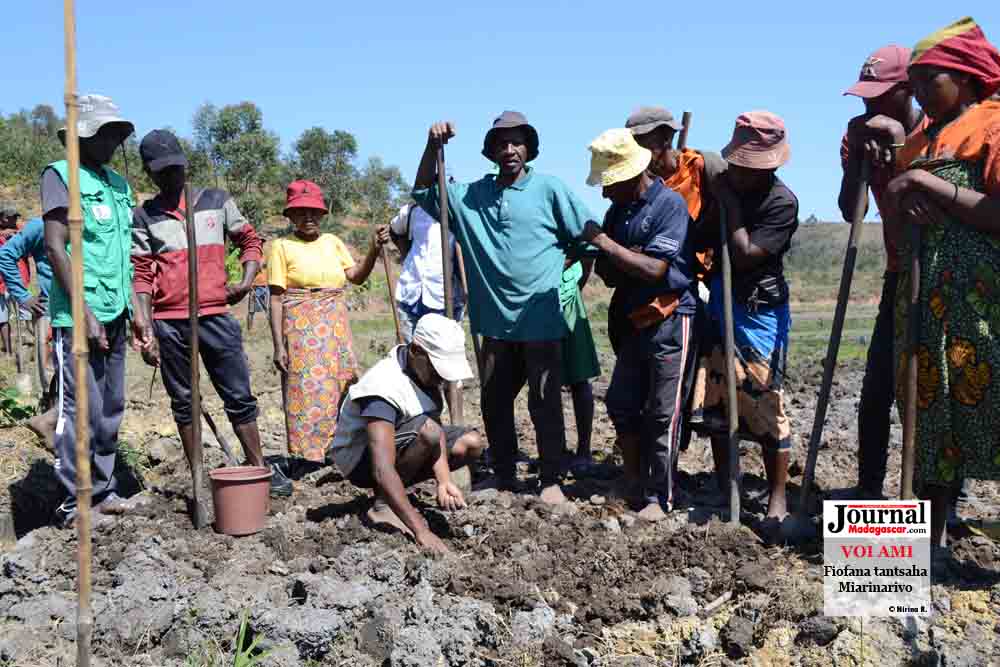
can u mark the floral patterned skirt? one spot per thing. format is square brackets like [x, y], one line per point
[958, 350]
[321, 366]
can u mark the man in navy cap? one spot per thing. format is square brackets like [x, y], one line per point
[160, 257]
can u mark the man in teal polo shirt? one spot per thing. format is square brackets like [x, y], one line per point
[516, 229]
[106, 204]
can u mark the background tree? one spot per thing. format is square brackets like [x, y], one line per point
[44, 121]
[382, 190]
[327, 159]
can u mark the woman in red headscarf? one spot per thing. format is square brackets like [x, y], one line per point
[307, 272]
[950, 183]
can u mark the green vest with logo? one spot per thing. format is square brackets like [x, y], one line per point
[106, 202]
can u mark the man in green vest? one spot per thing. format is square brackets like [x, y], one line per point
[106, 204]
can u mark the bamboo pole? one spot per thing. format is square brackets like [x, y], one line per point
[454, 397]
[392, 300]
[38, 330]
[833, 347]
[84, 485]
[199, 517]
[912, 339]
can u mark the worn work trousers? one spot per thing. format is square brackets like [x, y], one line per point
[507, 365]
[106, 401]
[877, 395]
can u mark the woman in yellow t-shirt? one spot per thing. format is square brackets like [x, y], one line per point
[313, 350]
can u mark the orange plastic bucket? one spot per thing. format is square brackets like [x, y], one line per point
[240, 496]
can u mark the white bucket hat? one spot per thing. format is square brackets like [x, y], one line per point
[444, 342]
[96, 111]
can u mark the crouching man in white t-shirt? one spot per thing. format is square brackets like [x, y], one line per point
[390, 436]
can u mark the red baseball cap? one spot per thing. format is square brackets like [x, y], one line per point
[304, 194]
[881, 71]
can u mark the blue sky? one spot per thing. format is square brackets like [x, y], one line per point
[385, 70]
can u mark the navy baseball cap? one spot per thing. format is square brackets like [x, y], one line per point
[161, 149]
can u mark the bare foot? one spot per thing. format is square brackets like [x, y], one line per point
[44, 426]
[652, 512]
[552, 495]
[381, 514]
[777, 508]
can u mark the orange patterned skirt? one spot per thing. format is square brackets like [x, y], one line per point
[321, 366]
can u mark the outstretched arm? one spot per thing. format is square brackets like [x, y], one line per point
[437, 136]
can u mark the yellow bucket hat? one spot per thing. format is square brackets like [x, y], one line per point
[615, 157]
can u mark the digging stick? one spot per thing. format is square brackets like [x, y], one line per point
[199, 516]
[454, 397]
[392, 300]
[730, 348]
[465, 288]
[226, 451]
[84, 485]
[912, 339]
[833, 347]
[682, 140]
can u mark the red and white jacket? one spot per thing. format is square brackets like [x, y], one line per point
[159, 252]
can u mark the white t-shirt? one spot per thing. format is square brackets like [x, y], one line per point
[421, 277]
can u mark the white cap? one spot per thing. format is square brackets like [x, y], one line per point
[444, 342]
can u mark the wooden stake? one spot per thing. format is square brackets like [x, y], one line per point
[912, 340]
[84, 485]
[833, 347]
[199, 517]
[454, 397]
[392, 299]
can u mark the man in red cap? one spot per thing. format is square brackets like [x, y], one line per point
[889, 118]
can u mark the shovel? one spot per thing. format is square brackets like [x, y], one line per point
[199, 517]
[800, 525]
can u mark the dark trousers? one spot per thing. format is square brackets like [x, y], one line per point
[106, 405]
[220, 344]
[877, 394]
[507, 365]
[647, 394]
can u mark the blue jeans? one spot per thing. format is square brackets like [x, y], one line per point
[410, 314]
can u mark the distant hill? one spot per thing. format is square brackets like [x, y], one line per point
[815, 262]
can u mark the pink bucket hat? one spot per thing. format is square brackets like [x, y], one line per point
[759, 141]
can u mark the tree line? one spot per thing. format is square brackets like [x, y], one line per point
[230, 148]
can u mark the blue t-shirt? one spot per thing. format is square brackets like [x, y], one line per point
[29, 242]
[656, 223]
[515, 241]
